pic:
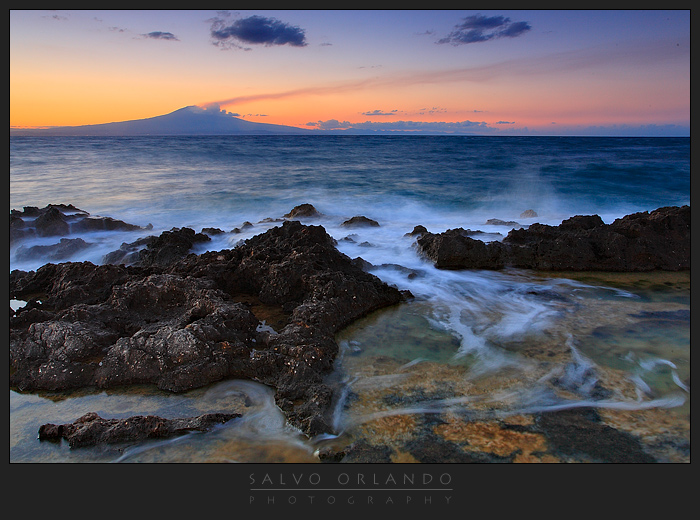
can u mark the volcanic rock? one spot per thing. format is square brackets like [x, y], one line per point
[644, 241]
[195, 320]
[360, 221]
[302, 211]
[61, 220]
[91, 429]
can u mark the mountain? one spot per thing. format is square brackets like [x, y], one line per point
[190, 120]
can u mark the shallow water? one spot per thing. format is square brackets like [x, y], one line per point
[619, 345]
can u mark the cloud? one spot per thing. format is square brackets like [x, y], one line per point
[160, 35]
[435, 127]
[256, 30]
[379, 113]
[578, 60]
[479, 28]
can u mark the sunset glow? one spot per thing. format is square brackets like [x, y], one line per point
[509, 72]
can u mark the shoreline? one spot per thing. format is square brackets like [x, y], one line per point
[293, 271]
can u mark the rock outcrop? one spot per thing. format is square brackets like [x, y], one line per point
[182, 323]
[645, 241]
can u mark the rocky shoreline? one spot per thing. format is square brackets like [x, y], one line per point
[182, 321]
[645, 241]
[266, 310]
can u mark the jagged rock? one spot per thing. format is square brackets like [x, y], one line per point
[128, 254]
[183, 324]
[417, 230]
[170, 246]
[659, 240]
[61, 220]
[528, 213]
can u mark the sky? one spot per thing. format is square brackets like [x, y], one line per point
[507, 72]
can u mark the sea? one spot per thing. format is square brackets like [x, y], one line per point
[475, 354]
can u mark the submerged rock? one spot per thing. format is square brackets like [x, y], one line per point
[91, 429]
[645, 241]
[194, 320]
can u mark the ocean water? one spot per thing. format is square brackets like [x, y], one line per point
[497, 342]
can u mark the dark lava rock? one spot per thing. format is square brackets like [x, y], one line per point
[302, 211]
[360, 221]
[61, 220]
[170, 246]
[455, 249]
[91, 429]
[194, 321]
[659, 240]
[579, 434]
[128, 253]
[417, 230]
[432, 449]
[211, 231]
[64, 249]
[51, 223]
[365, 453]
[499, 222]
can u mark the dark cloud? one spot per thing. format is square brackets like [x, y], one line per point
[256, 30]
[480, 28]
[160, 35]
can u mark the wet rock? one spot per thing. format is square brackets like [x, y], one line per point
[61, 220]
[579, 434]
[89, 223]
[454, 249]
[360, 221]
[66, 248]
[244, 226]
[417, 230]
[128, 253]
[365, 453]
[91, 429]
[182, 324]
[433, 449]
[303, 211]
[211, 231]
[170, 246]
[51, 223]
[499, 222]
[643, 241]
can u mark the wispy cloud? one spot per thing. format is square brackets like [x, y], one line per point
[160, 35]
[256, 30]
[479, 28]
[621, 56]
